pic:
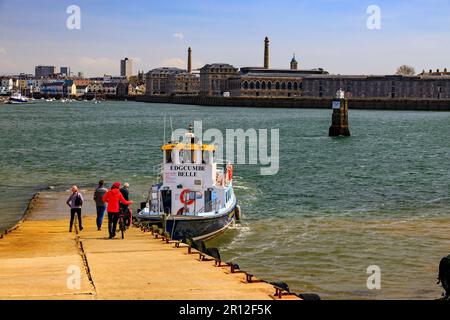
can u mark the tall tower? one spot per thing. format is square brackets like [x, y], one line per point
[126, 66]
[189, 63]
[266, 53]
[294, 63]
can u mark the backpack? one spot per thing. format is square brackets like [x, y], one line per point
[78, 201]
[444, 276]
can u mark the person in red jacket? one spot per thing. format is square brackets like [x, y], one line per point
[113, 197]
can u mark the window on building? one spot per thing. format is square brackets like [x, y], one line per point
[269, 85]
[245, 85]
[252, 85]
[258, 85]
[263, 85]
[283, 86]
[289, 86]
[295, 86]
[277, 86]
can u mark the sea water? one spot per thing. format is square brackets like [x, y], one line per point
[336, 207]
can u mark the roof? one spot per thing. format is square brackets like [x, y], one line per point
[183, 146]
[280, 72]
[167, 70]
[218, 66]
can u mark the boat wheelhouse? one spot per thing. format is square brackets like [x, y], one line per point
[195, 199]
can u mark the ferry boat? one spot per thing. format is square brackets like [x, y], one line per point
[195, 199]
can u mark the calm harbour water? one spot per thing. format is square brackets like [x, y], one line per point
[337, 205]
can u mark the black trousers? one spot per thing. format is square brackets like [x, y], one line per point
[113, 217]
[72, 217]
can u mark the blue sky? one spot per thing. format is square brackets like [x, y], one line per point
[331, 34]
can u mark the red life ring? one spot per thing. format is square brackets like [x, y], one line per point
[230, 172]
[189, 202]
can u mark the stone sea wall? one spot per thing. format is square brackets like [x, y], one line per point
[315, 103]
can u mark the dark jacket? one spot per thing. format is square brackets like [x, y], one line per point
[126, 195]
[98, 196]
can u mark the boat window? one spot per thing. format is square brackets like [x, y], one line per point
[186, 155]
[168, 156]
[206, 157]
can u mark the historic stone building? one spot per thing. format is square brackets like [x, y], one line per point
[261, 82]
[183, 84]
[389, 86]
[157, 80]
[214, 78]
[173, 81]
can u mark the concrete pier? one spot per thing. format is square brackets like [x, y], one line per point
[40, 259]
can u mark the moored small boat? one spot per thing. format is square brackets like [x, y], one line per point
[195, 199]
[17, 99]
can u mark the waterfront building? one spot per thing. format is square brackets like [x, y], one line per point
[157, 80]
[214, 78]
[95, 87]
[183, 84]
[126, 68]
[117, 89]
[54, 88]
[44, 71]
[79, 87]
[388, 86]
[261, 82]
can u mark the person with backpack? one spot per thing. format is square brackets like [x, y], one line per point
[99, 203]
[75, 202]
[114, 197]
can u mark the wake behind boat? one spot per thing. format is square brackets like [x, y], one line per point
[195, 199]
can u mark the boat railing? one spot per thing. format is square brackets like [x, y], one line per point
[213, 204]
[158, 171]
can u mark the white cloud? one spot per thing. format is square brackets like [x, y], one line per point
[178, 35]
[174, 62]
[2, 50]
[98, 65]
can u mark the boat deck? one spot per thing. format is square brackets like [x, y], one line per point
[40, 259]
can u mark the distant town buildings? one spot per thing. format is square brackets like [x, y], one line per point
[126, 67]
[44, 71]
[64, 71]
[223, 79]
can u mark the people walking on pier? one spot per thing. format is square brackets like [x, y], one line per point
[100, 204]
[114, 197]
[75, 202]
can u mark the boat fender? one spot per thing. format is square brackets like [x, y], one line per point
[230, 172]
[237, 213]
